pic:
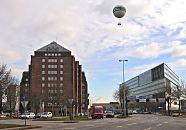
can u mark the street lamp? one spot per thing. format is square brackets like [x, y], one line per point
[124, 107]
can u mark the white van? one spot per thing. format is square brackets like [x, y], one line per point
[46, 115]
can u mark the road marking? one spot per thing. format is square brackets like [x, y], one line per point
[119, 126]
[158, 124]
[69, 128]
[100, 123]
[132, 124]
[89, 125]
[165, 122]
[148, 128]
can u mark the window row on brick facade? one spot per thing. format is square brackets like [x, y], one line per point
[52, 54]
[52, 66]
[52, 78]
[52, 91]
[52, 85]
[52, 72]
[52, 60]
[52, 104]
[55, 91]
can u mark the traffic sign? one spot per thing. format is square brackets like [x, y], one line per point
[142, 100]
[153, 100]
[24, 98]
[24, 103]
[131, 98]
[161, 99]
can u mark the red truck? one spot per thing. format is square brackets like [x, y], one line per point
[97, 112]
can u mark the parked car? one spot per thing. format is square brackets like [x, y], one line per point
[109, 114]
[38, 115]
[2, 116]
[29, 115]
[46, 115]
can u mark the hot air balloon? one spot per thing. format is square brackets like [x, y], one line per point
[119, 11]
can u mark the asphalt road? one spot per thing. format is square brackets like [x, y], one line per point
[136, 122]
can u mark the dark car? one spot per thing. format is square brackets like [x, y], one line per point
[109, 114]
[38, 115]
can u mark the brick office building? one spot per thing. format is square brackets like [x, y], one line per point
[55, 82]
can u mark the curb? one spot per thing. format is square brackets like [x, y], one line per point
[22, 128]
[71, 122]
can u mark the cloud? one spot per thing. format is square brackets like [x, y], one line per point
[178, 49]
[179, 64]
[147, 51]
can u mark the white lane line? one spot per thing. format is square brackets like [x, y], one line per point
[89, 125]
[119, 126]
[165, 122]
[132, 124]
[148, 128]
[100, 123]
[158, 124]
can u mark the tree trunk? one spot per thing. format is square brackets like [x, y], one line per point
[179, 107]
[1, 108]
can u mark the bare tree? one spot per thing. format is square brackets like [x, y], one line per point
[11, 94]
[119, 94]
[5, 80]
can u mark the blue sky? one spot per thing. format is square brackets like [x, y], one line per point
[152, 32]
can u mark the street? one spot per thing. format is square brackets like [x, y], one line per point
[136, 122]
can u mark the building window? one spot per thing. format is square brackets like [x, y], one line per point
[42, 91]
[26, 79]
[52, 54]
[61, 91]
[43, 72]
[61, 60]
[43, 60]
[45, 54]
[43, 66]
[61, 78]
[52, 60]
[43, 85]
[61, 72]
[55, 54]
[43, 78]
[26, 84]
[61, 66]
[59, 54]
[61, 85]
[49, 54]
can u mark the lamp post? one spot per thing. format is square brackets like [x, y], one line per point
[124, 95]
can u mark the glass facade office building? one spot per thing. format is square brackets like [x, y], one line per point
[154, 83]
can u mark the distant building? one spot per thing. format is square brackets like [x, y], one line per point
[158, 83]
[55, 82]
[111, 106]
